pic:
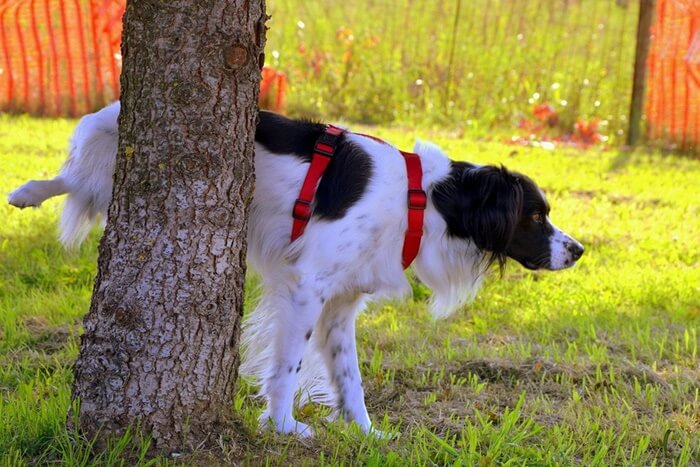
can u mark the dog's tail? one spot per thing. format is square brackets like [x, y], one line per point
[78, 217]
[88, 174]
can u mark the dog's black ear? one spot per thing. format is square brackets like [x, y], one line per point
[493, 204]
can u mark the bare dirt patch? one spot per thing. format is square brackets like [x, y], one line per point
[444, 403]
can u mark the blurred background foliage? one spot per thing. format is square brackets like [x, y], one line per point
[476, 66]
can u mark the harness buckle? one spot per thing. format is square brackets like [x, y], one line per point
[326, 143]
[302, 210]
[328, 139]
[324, 150]
[417, 199]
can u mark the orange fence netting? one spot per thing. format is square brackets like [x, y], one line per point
[673, 97]
[62, 57]
[59, 57]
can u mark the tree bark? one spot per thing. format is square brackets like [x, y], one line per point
[160, 346]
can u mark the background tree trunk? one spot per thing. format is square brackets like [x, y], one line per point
[161, 337]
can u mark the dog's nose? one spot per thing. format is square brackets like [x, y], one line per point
[576, 250]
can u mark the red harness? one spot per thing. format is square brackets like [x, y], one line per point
[322, 155]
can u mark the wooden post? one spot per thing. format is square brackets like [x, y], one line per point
[646, 13]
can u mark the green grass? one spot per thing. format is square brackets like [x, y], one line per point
[597, 365]
[478, 65]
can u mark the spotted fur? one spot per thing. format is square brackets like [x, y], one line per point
[299, 341]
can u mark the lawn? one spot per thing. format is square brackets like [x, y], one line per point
[597, 365]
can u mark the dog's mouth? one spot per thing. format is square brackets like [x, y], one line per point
[569, 263]
[533, 266]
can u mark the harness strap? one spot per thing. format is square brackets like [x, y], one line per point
[417, 200]
[416, 197]
[321, 157]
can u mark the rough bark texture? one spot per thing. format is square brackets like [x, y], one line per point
[161, 338]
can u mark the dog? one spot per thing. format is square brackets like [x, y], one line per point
[299, 342]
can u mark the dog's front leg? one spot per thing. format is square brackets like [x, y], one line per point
[295, 325]
[337, 340]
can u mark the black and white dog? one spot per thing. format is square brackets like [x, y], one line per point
[300, 339]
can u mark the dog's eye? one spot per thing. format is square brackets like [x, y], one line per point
[539, 218]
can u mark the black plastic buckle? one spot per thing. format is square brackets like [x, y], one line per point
[328, 139]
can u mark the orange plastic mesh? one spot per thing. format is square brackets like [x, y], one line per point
[673, 98]
[59, 57]
[62, 57]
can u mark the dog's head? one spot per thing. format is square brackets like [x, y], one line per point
[505, 214]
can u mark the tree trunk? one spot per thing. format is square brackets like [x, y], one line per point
[160, 346]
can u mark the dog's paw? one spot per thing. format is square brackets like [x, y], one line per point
[300, 429]
[333, 417]
[24, 197]
[379, 434]
[287, 425]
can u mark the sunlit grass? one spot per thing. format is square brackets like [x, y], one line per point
[597, 365]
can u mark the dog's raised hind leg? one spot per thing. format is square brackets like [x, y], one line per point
[35, 192]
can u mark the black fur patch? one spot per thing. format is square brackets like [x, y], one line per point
[347, 175]
[447, 197]
[281, 135]
[531, 244]
[494, 208]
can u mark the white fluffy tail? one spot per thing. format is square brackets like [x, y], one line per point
[77, 218]
[88, 174]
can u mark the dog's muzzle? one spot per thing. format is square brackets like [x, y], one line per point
[565, 251]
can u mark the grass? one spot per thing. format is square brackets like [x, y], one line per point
[597, 365]
[478, 65]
